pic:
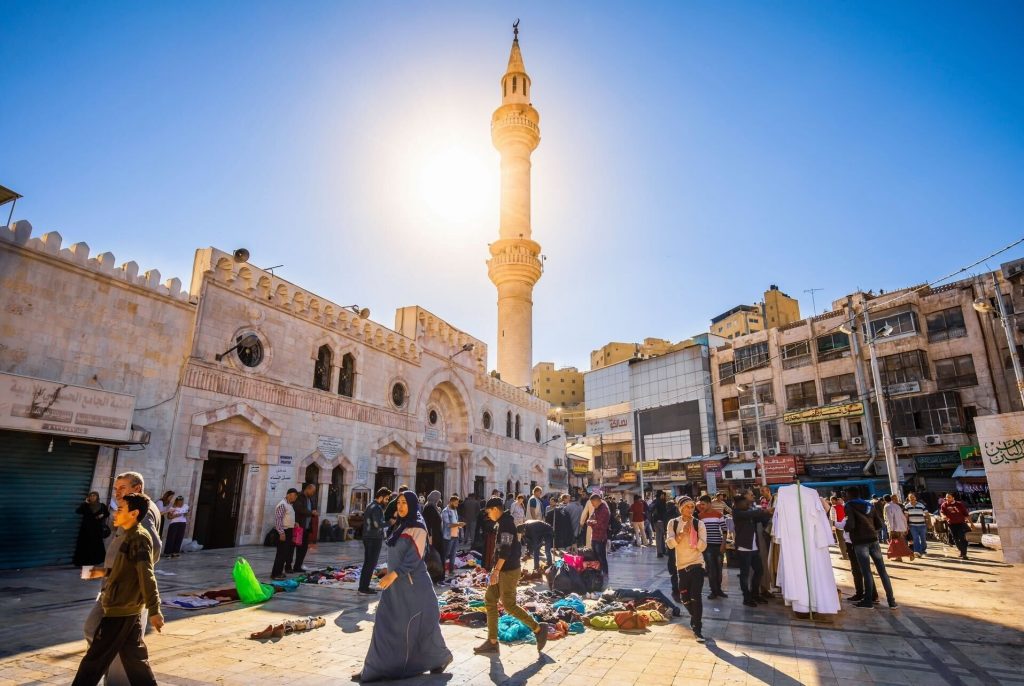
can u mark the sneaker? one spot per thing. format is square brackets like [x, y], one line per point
[542, 636]
[287, 569]
[856, 598]
[699, 636]
[723, 595]
[712, 596]
[892, 604]
[367, 591]
[301, 570]
[279, 577]
[870, 606]
[749, 603]
[488, 648]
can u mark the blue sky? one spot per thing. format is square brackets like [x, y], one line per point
[692, 153]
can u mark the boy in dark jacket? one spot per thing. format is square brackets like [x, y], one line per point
[130, 586]
[745, 520]
[860, 524]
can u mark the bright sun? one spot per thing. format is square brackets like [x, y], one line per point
[458, 186]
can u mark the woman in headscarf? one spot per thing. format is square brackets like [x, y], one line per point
[407, 638]
[89, 550]
[432, 516]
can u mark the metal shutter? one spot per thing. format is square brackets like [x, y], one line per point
[39, 492]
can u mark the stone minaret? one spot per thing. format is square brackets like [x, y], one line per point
[515, 264]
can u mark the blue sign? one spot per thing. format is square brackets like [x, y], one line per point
[836, 469]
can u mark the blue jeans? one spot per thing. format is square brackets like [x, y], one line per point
[545, 541]
[450, 547]
[919, 534]
[866, 552]
[883, 535]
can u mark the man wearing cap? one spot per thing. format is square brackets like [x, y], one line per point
[373, 538]
[503, 580]
[687, 536]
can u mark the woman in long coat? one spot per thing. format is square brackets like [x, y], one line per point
[407, 638]
[89, 549]
[432, 516]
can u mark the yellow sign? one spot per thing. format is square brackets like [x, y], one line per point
[820, 414]
[648, 466]
[580, 469]
[627, 477]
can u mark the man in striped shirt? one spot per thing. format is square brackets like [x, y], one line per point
[917, 516]
[714, 524]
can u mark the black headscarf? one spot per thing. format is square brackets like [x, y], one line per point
[412, 520]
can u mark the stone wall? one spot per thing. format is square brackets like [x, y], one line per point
[1001, 439]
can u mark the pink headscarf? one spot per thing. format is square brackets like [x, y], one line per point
[682, 500]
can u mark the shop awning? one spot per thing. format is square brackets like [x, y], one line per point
[961, 473]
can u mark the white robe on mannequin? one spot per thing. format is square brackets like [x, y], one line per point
[801, 528]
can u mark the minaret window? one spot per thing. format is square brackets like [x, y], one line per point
[347, 378]
[513, 84]
[322, 369]
[518, 427]
[508, 424]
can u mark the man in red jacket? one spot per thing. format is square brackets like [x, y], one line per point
[958, 519]
[638, 515]
[598, 524]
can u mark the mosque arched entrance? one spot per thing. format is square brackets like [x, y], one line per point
[444, 448]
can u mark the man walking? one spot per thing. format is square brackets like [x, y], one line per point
[714, 525]
[470, 511]
[599, 522]
[450, 529]
[503, 581]
[638, 517]
[535, 506]
[125, 484]
[917, 517]
[575, 511]
[659, 520]
[860, 524]
[837, 514]
[373, 538]
[687, 537]
[130, 586]
[746, 520]
[305, 510]
[957, 518]
[284, 525]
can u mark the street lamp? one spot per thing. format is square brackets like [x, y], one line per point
[248, 341]
[849, 328]
[742, 388]
[984, 306]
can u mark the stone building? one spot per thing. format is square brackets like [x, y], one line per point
[943, 364]
[563, 388]
[245, 384]
[615, 352]
[777, 309]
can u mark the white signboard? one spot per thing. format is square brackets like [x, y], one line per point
[280, 476]
[712, 479]
[28, 404]
[329, 446]
[620, 423]
[362, 471]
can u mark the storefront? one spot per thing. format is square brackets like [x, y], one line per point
[50, 437]
[935, 472]
[970, 478]
[834, 477]
[907, 472]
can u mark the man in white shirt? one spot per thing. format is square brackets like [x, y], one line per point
[284, 522]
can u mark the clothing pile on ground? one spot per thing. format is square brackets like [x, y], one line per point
[288, 627]
[343, 577]
[218, 596]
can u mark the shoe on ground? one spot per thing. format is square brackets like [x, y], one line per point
[764, 597]
[892, 604]
[487, 648]
[367, 591]
[749, 603]
[856, 598]
[287, 569]
[723, 595]
[301, 570]
[865, 604]
[542, 636]
[712, 596]
[358, 676]
[699, 636]
[279, 577]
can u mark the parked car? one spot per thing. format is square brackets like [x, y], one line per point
[984, 523]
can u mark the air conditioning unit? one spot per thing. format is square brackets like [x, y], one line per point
[719, 449]
[933, 439]
[901, 442]
[857, 440]
[732, 455]
[754, 454]
[772, 452]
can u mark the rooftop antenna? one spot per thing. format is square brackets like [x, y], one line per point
[814, 306]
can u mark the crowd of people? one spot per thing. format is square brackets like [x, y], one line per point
[698, 538]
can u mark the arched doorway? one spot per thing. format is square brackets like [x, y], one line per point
[445, 416]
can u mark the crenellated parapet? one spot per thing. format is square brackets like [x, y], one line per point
[513, 394]
[20, 233]
[273, 291]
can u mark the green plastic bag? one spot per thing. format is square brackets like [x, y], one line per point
[249, 589]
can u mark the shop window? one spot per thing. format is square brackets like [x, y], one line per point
[946, 324]
[322, 369]
[347, 378]
[800, 395]
[956, 372]
[833, 346]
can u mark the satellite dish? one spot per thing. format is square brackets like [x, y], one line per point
[241, 255]
[364, 313]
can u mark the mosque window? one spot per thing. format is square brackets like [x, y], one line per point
[508, 424]
[250, 355]
[322, 369]
[347, 378]
[513, 84]
[487, 421]
[536, 434]
[519, 425]
[432, 417]
[398, 394]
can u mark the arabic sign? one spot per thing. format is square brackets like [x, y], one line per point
[780, 469]
[648, 466]
[279, 476]
[329, 446]
[1001, 439]
[619, 423]
[820, 414]
[906, 387]
[362, 470]
[937, 461]
[694, 471]
[627, 477]
[28, 404]
[712, 467]
[836, 469]
[1004, 452]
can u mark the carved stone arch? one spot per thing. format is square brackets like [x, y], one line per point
[197, 450]
[299, 302]
[282, 296]
[438, 377]
[245, 281]
[224, 270]
[395, 452]
[325, 464]
[328, 340]
[263, 287]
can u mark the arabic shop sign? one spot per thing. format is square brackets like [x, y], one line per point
[1003, 452]
[616, 424]
[836, 469]
[627, 478]
[694, 471]
[712, 467]
[937, 461]
[820, 414]
[648, 466]
[580, 468]
[28, 404]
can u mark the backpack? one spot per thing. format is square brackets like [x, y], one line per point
[566, 580]
[592, 580]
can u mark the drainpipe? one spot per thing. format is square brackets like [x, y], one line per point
[862, 389]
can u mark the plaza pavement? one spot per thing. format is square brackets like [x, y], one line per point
[958, 623]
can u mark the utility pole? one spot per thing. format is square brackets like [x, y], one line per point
[883, 413]
[638, 450]
[1010, 340]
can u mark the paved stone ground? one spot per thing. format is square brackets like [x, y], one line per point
[959, 623]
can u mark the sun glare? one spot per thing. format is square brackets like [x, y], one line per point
[458, 186]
